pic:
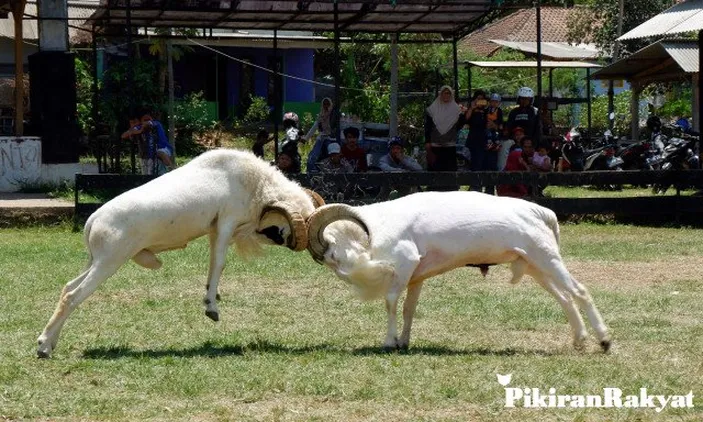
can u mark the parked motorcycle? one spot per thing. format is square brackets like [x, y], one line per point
[677, 155]
[572, 156]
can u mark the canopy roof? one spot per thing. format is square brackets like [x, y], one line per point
[683, 17]
[452, 17]
[555, 50]
[663, 60]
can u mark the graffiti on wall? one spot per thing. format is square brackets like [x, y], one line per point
[20, 162]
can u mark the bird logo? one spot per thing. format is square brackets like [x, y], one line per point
[504, 379]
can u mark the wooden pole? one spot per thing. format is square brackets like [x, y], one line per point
[17, 14]
[394, 86]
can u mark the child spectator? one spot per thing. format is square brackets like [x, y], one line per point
[262, 138]
[285, 164]
[352, 152]
[515, 162]
[541, 160]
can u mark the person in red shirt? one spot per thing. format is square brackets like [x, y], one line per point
[351, 150]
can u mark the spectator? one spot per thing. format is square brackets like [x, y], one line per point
[262, 138]
[443, 120]
[494, 117]
[525, 115]
[335, 163]
[284, 163]
[546, 118]
[289, 143]
[326, 121]
[351, 150]
[155, 135]
[396, 160]
[515, 162]
[540, 159]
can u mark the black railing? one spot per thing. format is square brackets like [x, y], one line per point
[106, 186]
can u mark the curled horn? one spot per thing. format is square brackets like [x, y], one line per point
[298, 239]
[323, 217]
[316, 198]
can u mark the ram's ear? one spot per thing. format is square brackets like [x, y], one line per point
[274, 233]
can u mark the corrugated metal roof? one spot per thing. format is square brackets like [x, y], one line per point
[685, 54]
[437, 16]
[683, 17]
[556, 50]
[78, 12]
[663, 60]
[545, 64]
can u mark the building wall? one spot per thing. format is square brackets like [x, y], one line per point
[196, 71]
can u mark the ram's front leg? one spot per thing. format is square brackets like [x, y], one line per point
[220, 236]
[401, 277]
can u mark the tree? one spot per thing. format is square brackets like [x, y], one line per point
[599, 21]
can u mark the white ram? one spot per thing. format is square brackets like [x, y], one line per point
[232, 196]
[384, 248]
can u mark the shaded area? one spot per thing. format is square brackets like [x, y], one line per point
[212, 350]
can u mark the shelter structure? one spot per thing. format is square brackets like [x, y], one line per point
[662, 61]
[452, 19]
[547, 64]
[684, 17]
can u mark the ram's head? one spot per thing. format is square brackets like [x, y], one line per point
[284, 224]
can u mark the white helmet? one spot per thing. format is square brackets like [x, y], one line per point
[525, 92]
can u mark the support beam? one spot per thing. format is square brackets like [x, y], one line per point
[17, 14]
[588, 97]
[696, 106]
[700, 80]
[635, 110]
[337, 75]
[276, 98]
[394, 86]
[53, 25]
[455, 68]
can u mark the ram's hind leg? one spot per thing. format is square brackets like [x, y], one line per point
[73, 294]
[565, 283]
[578, 328]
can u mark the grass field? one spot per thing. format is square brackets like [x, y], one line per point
[293, 344]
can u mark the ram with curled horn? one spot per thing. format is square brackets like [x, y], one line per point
[231, 196]
[385, 248]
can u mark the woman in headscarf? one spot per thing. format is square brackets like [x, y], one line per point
[443, 120]
[326, 120]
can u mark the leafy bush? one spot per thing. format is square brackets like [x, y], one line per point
[192, 120]
[84, 95]
[258, 111]
[117, 98]
[599, 113]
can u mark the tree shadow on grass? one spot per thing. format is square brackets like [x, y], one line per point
[213, 350]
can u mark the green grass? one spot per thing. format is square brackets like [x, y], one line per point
[294, 344]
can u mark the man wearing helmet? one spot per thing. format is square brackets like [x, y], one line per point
[525, 115]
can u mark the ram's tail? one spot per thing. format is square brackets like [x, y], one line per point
[550, 219]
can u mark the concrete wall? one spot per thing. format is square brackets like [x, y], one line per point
[20, 162]
[21, 166]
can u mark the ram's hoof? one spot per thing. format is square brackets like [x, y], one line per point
[403, 348]
[389, 349]
[605, 345]
[215, 316]
[217, 297]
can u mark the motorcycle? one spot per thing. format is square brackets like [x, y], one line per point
[572, 152]
[677, 155]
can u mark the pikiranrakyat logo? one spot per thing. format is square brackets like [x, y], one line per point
[611, 397]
